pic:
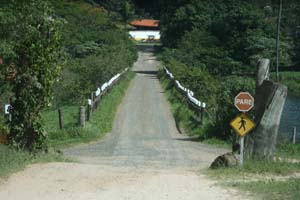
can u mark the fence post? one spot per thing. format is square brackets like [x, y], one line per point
[203, 106]
[294, 135]
[93, 100]
[60, 118]
[89, 109]
[202, 115]
[82, 116]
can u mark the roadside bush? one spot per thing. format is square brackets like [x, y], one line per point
[205, 88]
[204, 85]
[230, 86]
[217, 92]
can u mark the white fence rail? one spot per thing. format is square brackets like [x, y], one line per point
[189, 93]
[101, 91]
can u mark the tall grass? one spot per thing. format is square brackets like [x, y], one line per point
[288, 151]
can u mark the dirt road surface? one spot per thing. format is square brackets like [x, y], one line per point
[144, 158]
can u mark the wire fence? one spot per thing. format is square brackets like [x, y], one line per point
[291, 135]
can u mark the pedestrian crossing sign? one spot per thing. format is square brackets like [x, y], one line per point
[242, 124]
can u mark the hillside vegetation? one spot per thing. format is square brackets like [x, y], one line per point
[96, 50]
[212, 47]
[69, 49]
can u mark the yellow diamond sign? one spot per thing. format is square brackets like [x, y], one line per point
[242, 124]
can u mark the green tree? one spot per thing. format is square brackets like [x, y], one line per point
[127, 11]
[200, 49]
[6, 18]
[97, 49]
[36, 53]
[175, 23]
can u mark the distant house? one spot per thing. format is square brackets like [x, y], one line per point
[145, 30]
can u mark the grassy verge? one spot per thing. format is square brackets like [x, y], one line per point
[291, 80]
[100, 123]
[12, 160]
[291, 151]
[184, 117]
[256, 167]
[265, 179]
[287, 189]
[262, 179]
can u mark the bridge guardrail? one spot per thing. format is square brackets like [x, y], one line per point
[85, 112]
[197, 106]
[101, 91]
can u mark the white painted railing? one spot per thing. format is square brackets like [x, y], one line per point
[188, 93]
[101, 91]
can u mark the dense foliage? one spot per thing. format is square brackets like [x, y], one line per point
[240, 31]
[97, 49]
[34, 37]
[221, 40]
[31, 66]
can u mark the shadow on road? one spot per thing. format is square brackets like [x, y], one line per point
[146, 72]
[192, 139]
[147, 48]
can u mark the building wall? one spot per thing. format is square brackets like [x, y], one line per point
[144, 35]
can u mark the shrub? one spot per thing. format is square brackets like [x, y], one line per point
[204, 85]
[226, 111]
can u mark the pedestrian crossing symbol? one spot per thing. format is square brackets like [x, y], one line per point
[242, 124]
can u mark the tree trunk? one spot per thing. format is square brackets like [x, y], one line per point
[270, 100]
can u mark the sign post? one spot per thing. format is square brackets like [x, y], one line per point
[243, 124]
[242, 150]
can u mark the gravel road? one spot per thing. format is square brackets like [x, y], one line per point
[143, 158]
[144, 132]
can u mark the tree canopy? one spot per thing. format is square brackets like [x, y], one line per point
[55, 53]
[32, 64]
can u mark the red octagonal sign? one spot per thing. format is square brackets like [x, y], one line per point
[244, 101]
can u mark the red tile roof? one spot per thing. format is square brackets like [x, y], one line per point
[145, 23]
